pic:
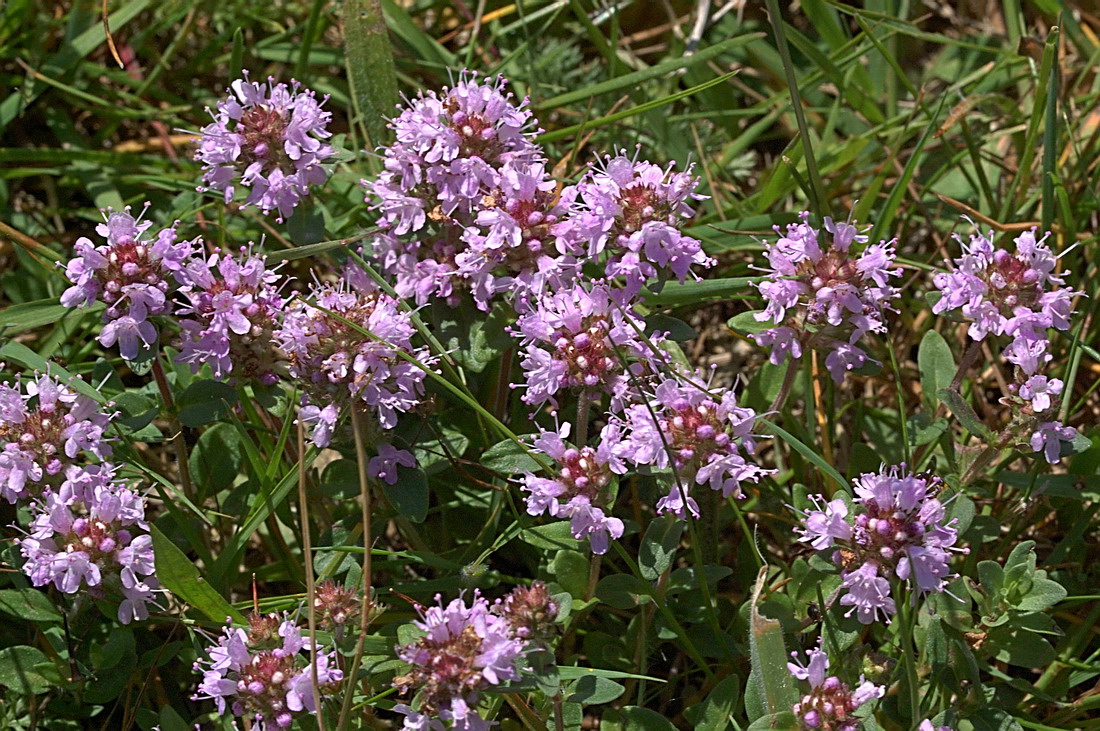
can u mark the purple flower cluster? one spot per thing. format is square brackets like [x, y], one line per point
[264, 673]
[1021, 296]
[44, 428]
[230, 319]
[825, 297]
[268, 138]
[463, 193]
[343, 344]
[464, 650]
[132, 274]
[91, 535]
[831, 703]
[900, 530]
[579, 489]
[580, 340]
[702, 435]
[632, 211]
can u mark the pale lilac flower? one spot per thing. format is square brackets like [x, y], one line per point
[703, 435]
[1048, 437]
[359, 363]
[384, 466]
[465, 650]
[45, 427]
[633, 212]
[132, 274]
[445, 169]
[1039, 390]
[898, 528]
[831, 703]
[264, 674]
[825, 297]
[93, 542]
[268, 138]
[579, 487]
[231, 315]
[579, 339]
[1008, 294]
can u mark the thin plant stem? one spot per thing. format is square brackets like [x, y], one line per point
[364, 615]
[178, 440]
[584, 403]
[907, 647]
[311, 593]
[785, 388]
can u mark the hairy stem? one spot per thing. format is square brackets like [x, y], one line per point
[178, 440]
[311, 595]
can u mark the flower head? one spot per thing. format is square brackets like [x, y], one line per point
[458, 154]
[264, 673]
[634, 211]
[343, 345]
[825, 297]
[45, 427]
[579, 488]
[231, 316]
[831, 703]
[133, 274]
[703, 435]
[898, 528]
[268, 138]
[579, 339]
[93, 540]
[465, 649]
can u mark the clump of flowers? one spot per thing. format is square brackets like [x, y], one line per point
[448, 156]
[531, 612]
[831, 703]
[465, 650]
[231, 316]
[580, 340]
[338, 362]
[1018, 295]
[825, 297]
[579, 490]
[633, 211]
[702, 435]
[132, 274]
[268, 138]
[512, 245]
[93, 537]
[44, 428]
[899, 529]
[264, 673]
[336, 606]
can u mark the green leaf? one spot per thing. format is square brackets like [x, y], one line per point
[769, 679]
[553, 536]
[808, 453]
[966, 416]
[370, 68]
[508, 458]
[571, 569]
[747, 324]
[28, 604]
[216, 458]
[623, 591]
[782, 721]
[937, 366]
[593, 690]
[29, 315]
[677, 330]
[1019, 647]
[24, 356]
[409, 495]
[634, 718]
[17, 670]
[178, 574]
[1044, 593]
[205, 401]
[659, 546]
[693, 292]
[714, 713]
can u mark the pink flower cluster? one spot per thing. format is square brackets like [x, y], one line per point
[831, 703]
[264, 673]
[825, 296]
[900, 530]
[268, 138]
[1018, 295]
